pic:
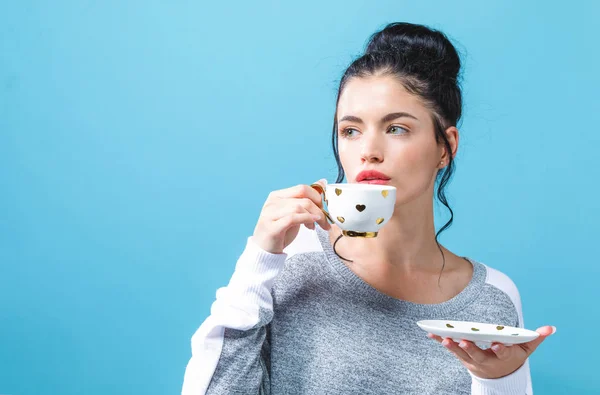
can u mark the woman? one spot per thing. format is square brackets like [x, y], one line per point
[304, 314]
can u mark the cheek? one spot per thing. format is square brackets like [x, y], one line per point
[414, 171]
[349, 156]
[414, 157]
[410, 156]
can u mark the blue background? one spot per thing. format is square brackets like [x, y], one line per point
[139, 140]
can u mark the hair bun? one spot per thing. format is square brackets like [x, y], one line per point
[418, 45]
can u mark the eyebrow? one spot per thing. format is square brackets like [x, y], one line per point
[387, 118]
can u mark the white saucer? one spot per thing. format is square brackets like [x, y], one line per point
[483, 335]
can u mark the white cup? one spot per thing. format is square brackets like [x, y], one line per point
[360, 210]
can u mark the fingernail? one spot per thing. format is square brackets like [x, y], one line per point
[462, 345]
[323, 180]
[553, 330]
[496, 348]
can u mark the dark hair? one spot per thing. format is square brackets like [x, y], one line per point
[428, 66]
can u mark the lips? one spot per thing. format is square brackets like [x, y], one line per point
[371, 176]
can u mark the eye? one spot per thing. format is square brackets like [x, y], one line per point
[349, 132]
[397, 130]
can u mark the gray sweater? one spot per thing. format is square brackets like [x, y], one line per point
[302, 322]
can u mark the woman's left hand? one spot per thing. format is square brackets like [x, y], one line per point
[497, 361]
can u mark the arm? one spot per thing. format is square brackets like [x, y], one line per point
[518, 382]
[226, 349]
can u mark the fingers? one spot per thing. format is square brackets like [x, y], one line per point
[284, 207]
[469, 352]
[544, 332]
[311, 225]
[309, 206]
[323, 183]
[299, 191]
[284, 223]
[435, 337]
[474, 352]
[325, 222]
[303, 192]
[298, 205]
[502, 352]
[456, 350]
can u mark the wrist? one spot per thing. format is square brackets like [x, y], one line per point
[494, 375]
[266, 245]
[512, 383]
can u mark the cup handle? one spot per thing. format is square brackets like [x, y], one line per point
[321, 191]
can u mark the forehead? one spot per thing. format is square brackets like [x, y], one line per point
[376, 95]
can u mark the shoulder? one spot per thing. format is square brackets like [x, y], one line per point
[503, 283]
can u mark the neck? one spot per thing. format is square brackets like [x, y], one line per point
[405, 244]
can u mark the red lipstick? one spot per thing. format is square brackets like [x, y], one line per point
[372, 177]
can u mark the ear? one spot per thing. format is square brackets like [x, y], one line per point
[453, 136]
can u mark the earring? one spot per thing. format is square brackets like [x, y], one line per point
[442, 163]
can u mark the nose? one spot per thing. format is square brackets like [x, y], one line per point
[372, 148]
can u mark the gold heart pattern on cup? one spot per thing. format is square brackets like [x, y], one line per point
[359, 207]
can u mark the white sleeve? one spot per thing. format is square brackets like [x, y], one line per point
[237, 307]
[246, 304]
[515, 383]
[518, 382]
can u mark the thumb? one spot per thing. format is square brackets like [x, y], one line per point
[544, 331]
[323, 182]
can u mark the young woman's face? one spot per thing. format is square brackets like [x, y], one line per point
[383, 127]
